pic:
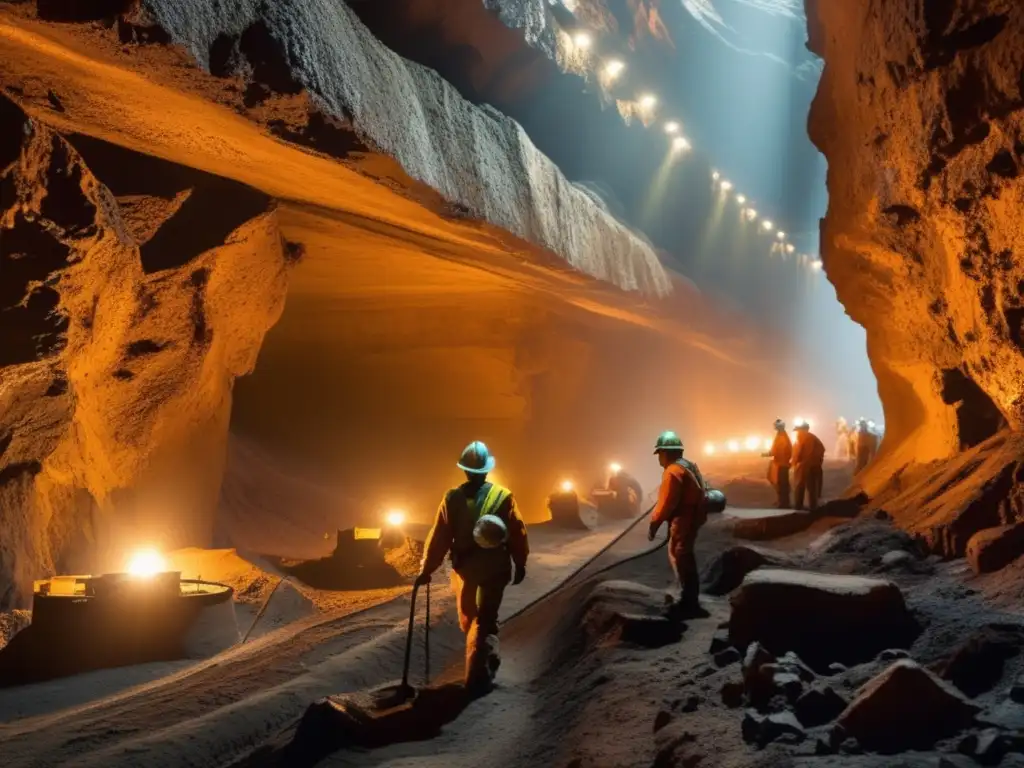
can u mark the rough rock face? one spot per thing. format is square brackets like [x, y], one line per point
[920, 114]
[126, 312]
[473, 156]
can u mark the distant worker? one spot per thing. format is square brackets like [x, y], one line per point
[842, 439]
[626, 489]
[867, 445]
[808, 460]
[681, 505]
[479, 525]
[851, 442]
[781, 454]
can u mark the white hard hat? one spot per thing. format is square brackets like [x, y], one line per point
[489, 532]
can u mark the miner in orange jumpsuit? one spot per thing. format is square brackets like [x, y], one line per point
[479, 526]
[781, 454]
[808, 461]
[681, 505]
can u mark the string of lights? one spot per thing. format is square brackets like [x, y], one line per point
[611, 69]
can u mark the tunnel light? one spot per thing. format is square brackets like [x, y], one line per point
[816, 265]
[715, 175]
[680, 144]
[753, 443]
[395, 518]
[751, 214]
[671, 127]
[567, 486]
[648, 100]
[734, 446]
[726, 185]
[583, 40]
[709, 449]
[146, 563]
[767, 444]
[741, 199]
[614, 68]
[781, 235]
[871, 425]
[790, 248]
[614, 468]
[768, 226]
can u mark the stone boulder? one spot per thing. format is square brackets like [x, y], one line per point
[823, 618]
[629, 613]
[778, 726]
[906, 707]
[773, 526]
[992, 548]
[726, 572]
[977, 666]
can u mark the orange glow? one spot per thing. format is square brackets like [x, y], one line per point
[146, 563]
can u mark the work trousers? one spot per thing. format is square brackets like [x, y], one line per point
[478, 605]
[778, 476]
[809, 480]
[682, 540]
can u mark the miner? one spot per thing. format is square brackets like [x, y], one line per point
[867, 445]
[842, 439]
[681, 504]
[781, 453]
[479, 526]
[808, 461]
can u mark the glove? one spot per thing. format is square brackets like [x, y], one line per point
[653, 531]
[423, 578]
[520, 574]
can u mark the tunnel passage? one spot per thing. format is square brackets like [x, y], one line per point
[390, 358]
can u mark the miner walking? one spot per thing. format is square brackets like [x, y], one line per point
[781, 454]
[479, 526]
[681, 505]
[808, 462]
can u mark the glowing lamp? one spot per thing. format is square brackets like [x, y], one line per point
[753, 443]
[648, 100]
[781, 235]
[751, 214]
[767, 225]
[567, 486]
[395, 518]
[816, 265]
[734, 446]
[582, 40]
[767, 444]
[741, 199]
[679, 144]
[726, 185]
[709, 449]
[715, 175]
[790, 248]
[614, 468]
[146, 563]
[614, 68]
[672, 127]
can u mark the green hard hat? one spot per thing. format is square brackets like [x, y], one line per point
[476, 458]
[668, 441]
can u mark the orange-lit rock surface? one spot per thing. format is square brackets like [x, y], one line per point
[187, 222]
[920, 114]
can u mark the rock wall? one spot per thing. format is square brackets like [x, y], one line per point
[472, 156]
[920, 113]
[127, 309]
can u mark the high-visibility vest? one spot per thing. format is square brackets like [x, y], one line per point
[463, 513]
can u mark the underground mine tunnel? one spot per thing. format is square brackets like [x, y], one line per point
[266, 269]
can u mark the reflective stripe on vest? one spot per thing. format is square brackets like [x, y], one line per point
[495, 497]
